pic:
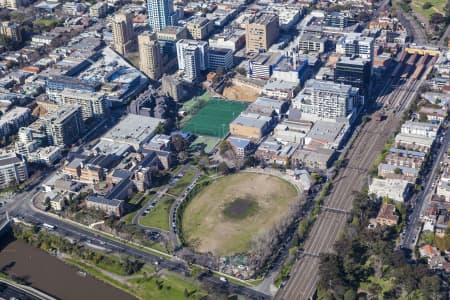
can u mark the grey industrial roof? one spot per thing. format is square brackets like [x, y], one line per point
[105, 201]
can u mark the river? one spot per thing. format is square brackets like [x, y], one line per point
[52, 276]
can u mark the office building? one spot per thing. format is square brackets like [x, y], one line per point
[13, 169]
[168, 38]
[326, 100]
[262, 33]
[355, 44]
[160, 14]
[199, 28]
[338, 20]
[123, 33]
[64, 126]
[11, 31]
[220, 57]
[262, 65]
[150, 58]
[230, 38]
[291, 69]
[99, 10]
[184, 44]
[354, 72]
[309, 42]
[92, 104]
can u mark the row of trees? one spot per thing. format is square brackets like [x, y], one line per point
[263, 247]
[125, 265]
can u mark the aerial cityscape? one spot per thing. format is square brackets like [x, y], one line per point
[218, 149]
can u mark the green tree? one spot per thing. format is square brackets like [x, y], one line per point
[179, 143]
[427, 5]
[350, 295]
[430, 287]
[224, 147]
[47, 204]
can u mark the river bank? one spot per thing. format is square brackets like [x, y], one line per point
[45, 272]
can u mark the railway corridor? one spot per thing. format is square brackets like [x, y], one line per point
[395, 97]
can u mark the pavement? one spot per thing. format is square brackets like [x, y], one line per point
[423, 198]
[173, 210]
[414, 29]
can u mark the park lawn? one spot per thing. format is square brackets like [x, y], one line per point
[159, 215]
[206, 228]
[437, 6]
[128, 218]
[165, 287]
[182, 183]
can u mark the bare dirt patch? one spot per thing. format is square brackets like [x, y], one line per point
[256, 201]
[241, 93]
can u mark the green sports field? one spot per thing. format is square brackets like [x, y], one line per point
[213, 119]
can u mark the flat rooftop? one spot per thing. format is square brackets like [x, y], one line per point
[133, 129]
[326, 131]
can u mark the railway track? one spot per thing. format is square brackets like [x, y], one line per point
[370, 141]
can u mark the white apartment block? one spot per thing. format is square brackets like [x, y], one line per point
[184, 44]
[13, 169]
[326, 100]
[354, 44]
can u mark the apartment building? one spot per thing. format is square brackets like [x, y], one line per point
[123, 33]
[92, 104]
[13, 169]
[150, 58]
[160, 14]
[326, 100]
[11, 30]
[64, 126]
[99, 10]
[187, 44]
[355, 44]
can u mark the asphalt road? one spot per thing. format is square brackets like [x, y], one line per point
[413, 28]
[424, 196]
[21, 207]
[369, 141]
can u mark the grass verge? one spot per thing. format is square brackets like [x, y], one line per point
[182, 183]
[159, 216]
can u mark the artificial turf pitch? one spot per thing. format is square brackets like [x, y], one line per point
[213, 119]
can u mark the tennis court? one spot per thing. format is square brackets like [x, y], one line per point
[213, 119]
